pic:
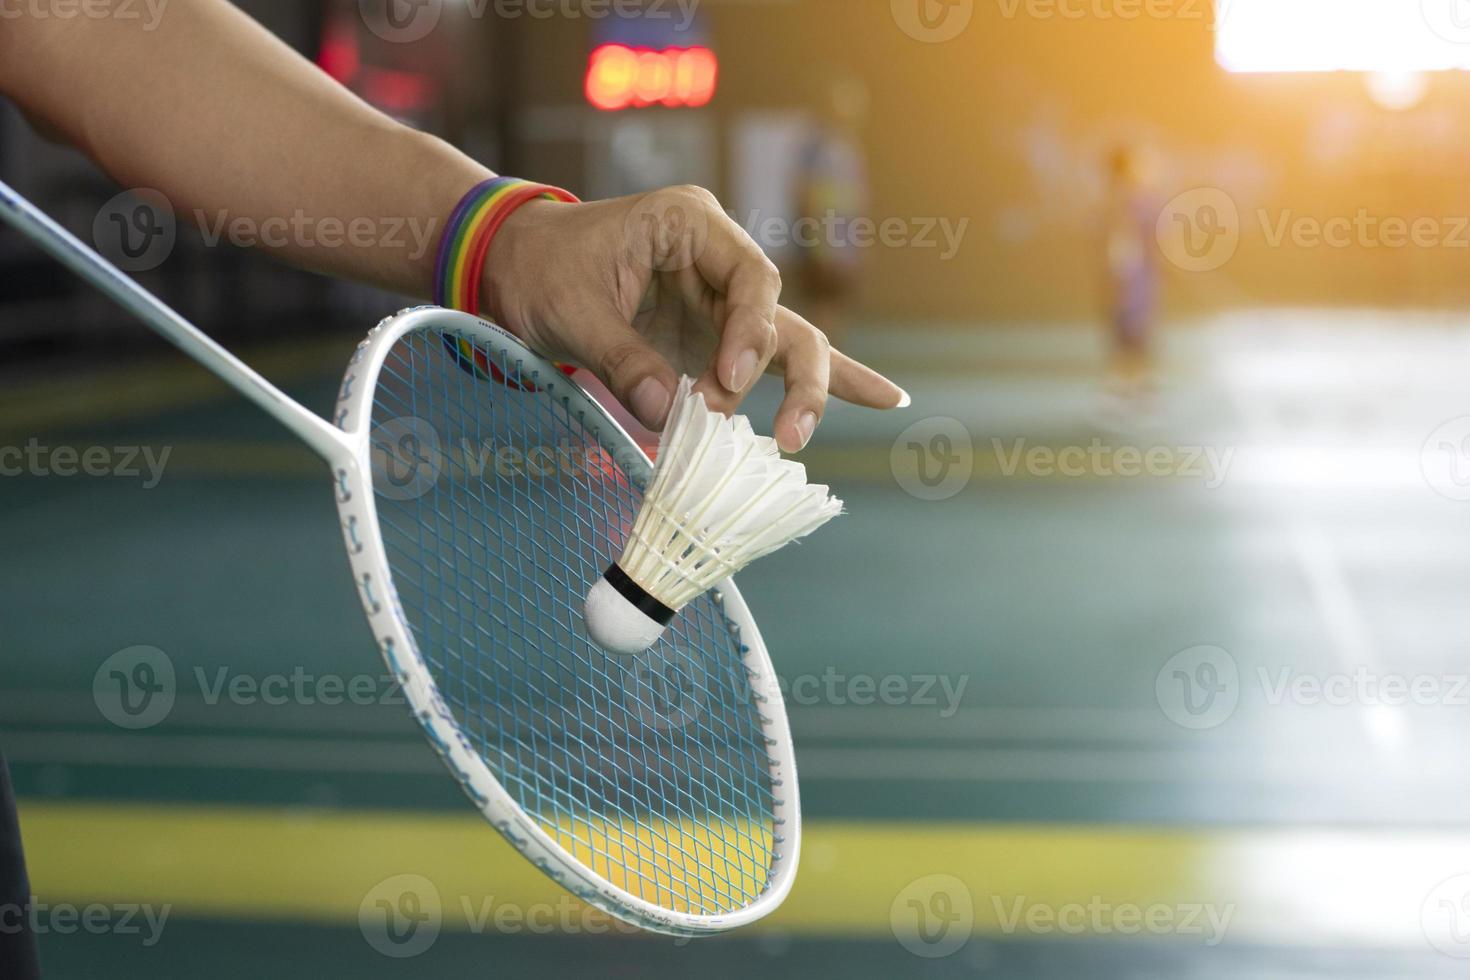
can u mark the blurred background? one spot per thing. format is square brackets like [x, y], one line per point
[1142, 652]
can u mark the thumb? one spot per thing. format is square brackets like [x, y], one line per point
[632, 370]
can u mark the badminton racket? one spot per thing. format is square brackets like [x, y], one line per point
[659, 788]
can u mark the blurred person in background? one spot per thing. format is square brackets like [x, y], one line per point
[219, 115]
[1130, 281]
[831, 192]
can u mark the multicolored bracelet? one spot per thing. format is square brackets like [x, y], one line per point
[465, 247]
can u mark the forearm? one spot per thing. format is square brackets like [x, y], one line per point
[243, 136]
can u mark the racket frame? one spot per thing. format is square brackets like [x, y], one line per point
[356, 506]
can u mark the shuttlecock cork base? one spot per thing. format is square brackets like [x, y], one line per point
[721, 497]
[623, 618]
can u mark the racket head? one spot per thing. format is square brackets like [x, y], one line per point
[476, 515]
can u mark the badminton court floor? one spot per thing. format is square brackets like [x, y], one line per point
[988, 663]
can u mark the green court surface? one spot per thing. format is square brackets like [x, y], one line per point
[991, 687]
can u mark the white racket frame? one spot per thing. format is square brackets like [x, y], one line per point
[346, 447]
[358, 511]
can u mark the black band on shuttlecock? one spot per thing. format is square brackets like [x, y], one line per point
[638, 596]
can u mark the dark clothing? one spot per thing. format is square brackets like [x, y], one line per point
[18, 959]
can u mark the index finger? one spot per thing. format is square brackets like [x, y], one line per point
[855, 382]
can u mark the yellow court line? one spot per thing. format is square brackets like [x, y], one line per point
[868, 463]
[892, 881]
[319, 866]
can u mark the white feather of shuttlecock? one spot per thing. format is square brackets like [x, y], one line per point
[721, 497]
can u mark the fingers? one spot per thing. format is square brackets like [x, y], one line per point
[735, 267]
[632, 370]
[687, 235]
[805, 358]
[813, 370]
[810, 365]
[855, 382]
[748, 338]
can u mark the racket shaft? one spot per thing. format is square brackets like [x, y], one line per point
[62, 245]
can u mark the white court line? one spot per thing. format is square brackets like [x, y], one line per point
[1321, 568]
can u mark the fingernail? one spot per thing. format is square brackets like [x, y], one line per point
[743, 373]
[651, 402]
[905, 401]
[805, 426]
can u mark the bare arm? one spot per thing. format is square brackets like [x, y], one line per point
[225, 120]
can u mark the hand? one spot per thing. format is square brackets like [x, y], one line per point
[642, 289]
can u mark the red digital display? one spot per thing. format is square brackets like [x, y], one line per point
[620, 77]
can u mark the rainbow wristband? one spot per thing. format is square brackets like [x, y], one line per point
[465, 247]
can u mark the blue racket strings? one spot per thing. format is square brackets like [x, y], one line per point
[499, 509]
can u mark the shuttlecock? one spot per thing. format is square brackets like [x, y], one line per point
[721, 497]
